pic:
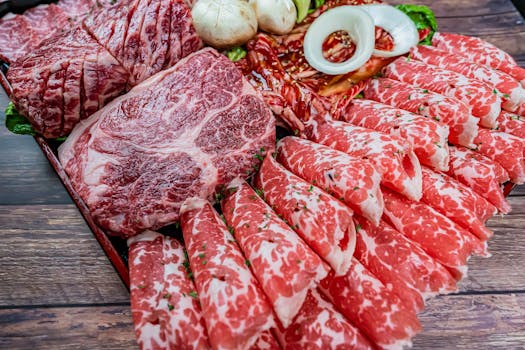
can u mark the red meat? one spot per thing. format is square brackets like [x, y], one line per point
[319, 326]
[372, 307]
[428, 137]
[354, 181]
[322, 221]
[463, 126]
[481, 174]
[391, 155]
[283, 264]
[395, 259]
[457, 202]
[480, 97]
[505, 149]
[509, 89]
[512, 124]
[164, 303]
[437, 235]
[479, 51]
[234, 307]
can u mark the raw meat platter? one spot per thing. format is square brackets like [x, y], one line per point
[266, 182]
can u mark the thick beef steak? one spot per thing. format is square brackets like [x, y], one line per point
[182, 133]
[68, 78]
[145, 36]
[75, 72]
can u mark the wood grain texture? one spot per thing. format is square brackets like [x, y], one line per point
[454, 8]
[502, 271]
[49, 256]
[496, 21]
[473, 322]
[26, 176]
[101, 327]
[487, 321]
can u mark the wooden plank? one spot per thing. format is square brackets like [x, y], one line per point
[27, 177]
[481, 322]
[102, 327]
[493, 24]
[49, 256]
[462, 8]
[502, 271]
[473, 322]
[518, 191]
[496, 21]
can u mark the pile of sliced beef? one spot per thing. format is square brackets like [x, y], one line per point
[90, 58]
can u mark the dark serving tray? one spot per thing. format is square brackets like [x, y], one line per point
[114, 247]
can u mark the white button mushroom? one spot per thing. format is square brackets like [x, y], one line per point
[224, 23]
[275, 16]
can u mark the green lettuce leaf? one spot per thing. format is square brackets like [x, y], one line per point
[423, 17]
[318, 3]
[236, 53]
[302, 7]
[17, 123]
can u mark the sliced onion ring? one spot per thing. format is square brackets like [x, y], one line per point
[397, 24]
[351, 19]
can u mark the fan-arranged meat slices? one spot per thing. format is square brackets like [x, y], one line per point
[457, 202]
[479, 51]
[234, 307]
[319, 326]
[355, 181]
[39, 81]
[437, 235]
[391, 155]
[454, 113]
[481, 174]
[505, 149]
[509, 89]
[429, 138]
[391, 257]
[372, 307]
[283, 264]
[512, 124]
[322, 221]
[480, 97]
[164, 303]
[141, 36]
[378, 262]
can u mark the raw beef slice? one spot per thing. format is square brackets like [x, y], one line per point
[182, 133]
[56, 88]
[145, 36]
[164, 303]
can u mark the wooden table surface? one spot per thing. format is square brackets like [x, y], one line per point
[59, 291]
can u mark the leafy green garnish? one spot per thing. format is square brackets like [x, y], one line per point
[318, 3]
[423, 18]
[17, 123]
[302, 7]
[236, 53]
